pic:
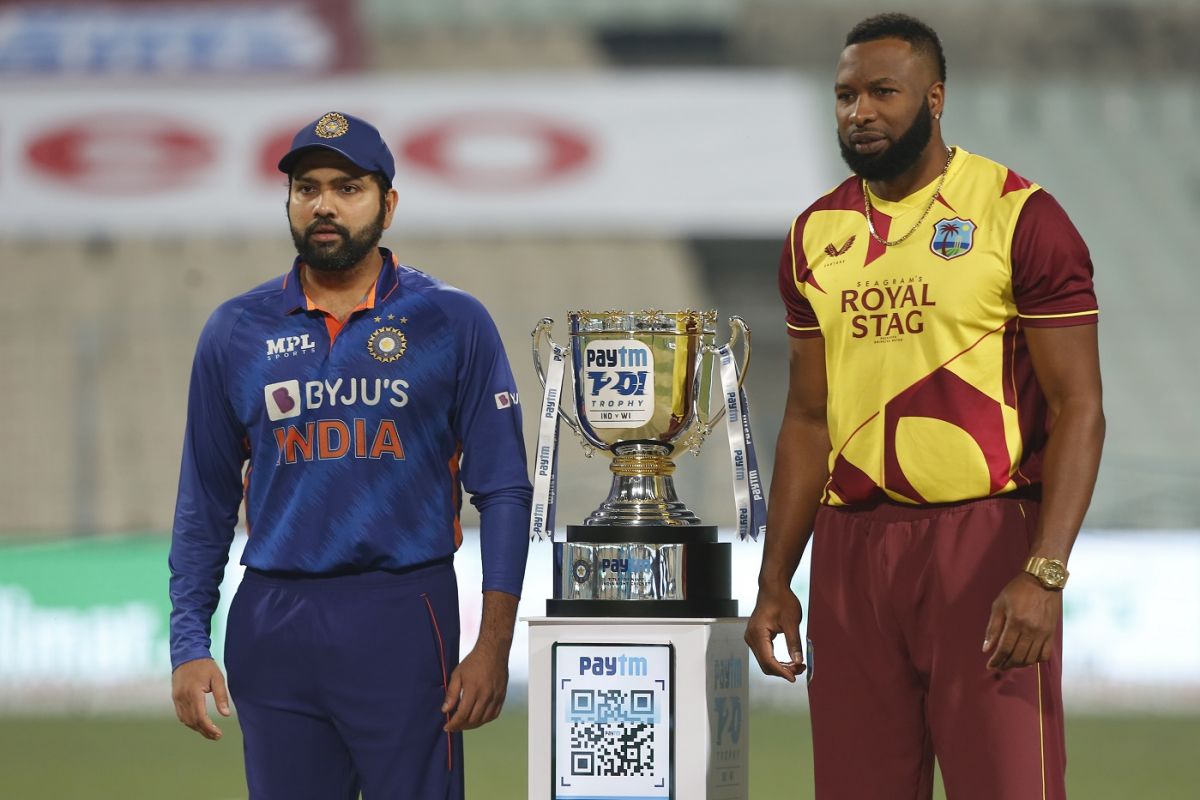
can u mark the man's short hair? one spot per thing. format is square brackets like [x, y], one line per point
[923, 38]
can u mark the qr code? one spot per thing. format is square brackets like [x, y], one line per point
[612, 733]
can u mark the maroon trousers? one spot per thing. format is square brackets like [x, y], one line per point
[899, 603]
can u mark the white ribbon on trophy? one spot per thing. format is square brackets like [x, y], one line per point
[545, 467]
[749, 503]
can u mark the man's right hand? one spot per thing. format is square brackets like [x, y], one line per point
[189, 683]
[776, 613]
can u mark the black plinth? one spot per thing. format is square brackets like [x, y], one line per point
[707, 585]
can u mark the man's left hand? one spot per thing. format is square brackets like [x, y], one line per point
[1023, 624]
[477, 688]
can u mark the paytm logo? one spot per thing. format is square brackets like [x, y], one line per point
[629, 354]
[619, 391]
[613, 665]
[625, 564]
[288, 346]
[622, 369]
[283, 400]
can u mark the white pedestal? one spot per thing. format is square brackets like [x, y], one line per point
[703, 731]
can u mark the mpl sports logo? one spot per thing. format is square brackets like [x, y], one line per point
[619, 383]
[289, 347]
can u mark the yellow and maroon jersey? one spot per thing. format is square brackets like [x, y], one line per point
[932, 396]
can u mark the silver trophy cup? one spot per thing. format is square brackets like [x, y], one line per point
[641, 383]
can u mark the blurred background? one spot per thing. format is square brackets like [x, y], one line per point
[552, 155]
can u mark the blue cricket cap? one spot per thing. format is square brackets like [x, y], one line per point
[351, 137]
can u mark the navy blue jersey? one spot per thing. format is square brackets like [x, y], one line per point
[350, 446]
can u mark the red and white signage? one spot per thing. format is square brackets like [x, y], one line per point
[659, 153]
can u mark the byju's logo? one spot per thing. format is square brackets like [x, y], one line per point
[506, 400]
[619, 383]
[283, 400]
[288, 346]
[288, 398]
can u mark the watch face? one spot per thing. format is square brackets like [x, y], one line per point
[1053, 574]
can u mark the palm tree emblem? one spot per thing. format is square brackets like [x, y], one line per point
[952, 237]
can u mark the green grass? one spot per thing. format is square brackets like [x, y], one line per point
[122, 758]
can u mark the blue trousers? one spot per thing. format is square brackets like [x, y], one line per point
[339, 683]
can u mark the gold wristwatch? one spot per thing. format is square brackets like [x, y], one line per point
[1051, 572]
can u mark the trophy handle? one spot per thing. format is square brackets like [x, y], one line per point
[738, 326]
[542, 331]
[738, 329]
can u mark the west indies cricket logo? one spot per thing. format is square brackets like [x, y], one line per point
[952, 238]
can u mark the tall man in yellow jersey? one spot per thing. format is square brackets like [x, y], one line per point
[940, 444]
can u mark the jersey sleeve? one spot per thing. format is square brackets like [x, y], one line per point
[210, 491]
[487, 421]
[1051, 267]
[801, 319]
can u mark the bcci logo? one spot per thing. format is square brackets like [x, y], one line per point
[387, 345]
[581, 570]
[953, 238]
[331, 126]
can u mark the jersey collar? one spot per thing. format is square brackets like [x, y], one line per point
[918, 199]
[293, 299]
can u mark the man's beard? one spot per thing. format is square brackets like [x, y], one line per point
[334, 257]
[896, 159]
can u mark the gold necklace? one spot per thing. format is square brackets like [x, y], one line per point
[925, 213]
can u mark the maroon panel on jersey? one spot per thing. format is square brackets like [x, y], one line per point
[946, 396]
[1051, 266]
[793, 261]
[800, 312]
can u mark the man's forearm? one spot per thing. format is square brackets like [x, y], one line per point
[801, 472]
[498, 621]
[1069, 476]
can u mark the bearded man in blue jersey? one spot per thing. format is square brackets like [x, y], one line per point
[347, 403]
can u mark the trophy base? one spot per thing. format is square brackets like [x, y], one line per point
[643, 490]
[671, 609]
[641, 571]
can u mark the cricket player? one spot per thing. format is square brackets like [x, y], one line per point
[347, 403]
[940, 445]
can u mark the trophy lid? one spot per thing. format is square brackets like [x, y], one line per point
[646, 321]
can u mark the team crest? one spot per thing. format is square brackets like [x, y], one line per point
[331, 126]
[952, 238]
[387, 345]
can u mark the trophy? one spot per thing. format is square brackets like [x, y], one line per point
[641, 383]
